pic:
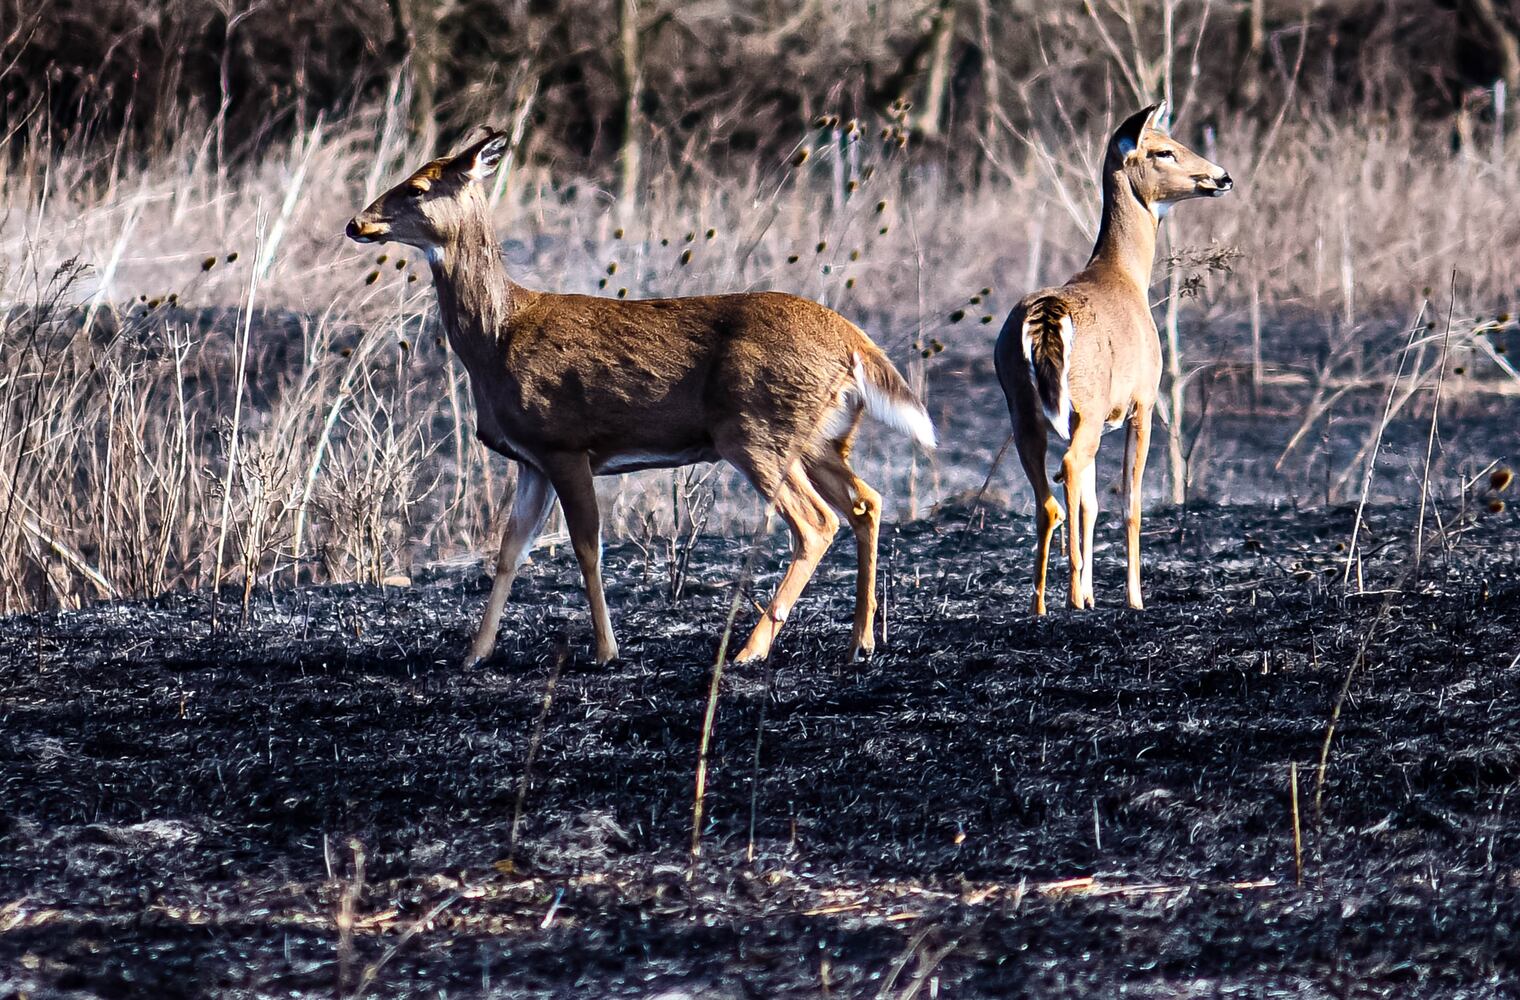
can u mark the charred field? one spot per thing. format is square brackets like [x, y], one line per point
[320, 801]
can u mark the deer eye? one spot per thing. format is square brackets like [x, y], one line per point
[415, 192]
[1163, 154]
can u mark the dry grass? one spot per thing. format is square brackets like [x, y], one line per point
[196, 362]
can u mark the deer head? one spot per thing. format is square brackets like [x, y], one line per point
[1160, 169]
[429, 209]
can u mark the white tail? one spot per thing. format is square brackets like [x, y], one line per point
[889, 404]
[1058, 414]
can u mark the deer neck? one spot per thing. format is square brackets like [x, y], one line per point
[1127, 237]
[476, 299]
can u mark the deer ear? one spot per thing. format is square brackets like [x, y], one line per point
[481, 160]
[1127, 137]
[1160, 118]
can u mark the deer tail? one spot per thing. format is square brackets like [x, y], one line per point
[1047, 338]
[887, 397]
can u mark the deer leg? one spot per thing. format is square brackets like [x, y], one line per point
[1075, 468]
[530, 508]
[572, 480]
[1047, 512]
[1138, 443]
[860, 505]
[1089, 521]
[813, 526]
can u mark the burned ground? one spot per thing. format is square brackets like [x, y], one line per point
[1089, 804]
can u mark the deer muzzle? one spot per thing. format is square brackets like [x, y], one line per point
[364, 232]
[1215, 186]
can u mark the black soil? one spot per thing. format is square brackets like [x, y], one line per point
[1092, 804]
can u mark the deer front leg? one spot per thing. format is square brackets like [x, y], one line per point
[571, 476]
[530, 508]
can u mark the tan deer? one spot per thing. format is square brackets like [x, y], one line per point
[1085, 357]
[573, 386]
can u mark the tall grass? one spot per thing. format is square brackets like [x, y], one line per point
[195, 360]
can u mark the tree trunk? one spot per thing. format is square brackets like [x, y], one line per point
[414, 26]
[937, 74]
[1506, 45]
[631, 83]
[1253, 37]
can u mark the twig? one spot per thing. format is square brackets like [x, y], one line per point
[754, 778]
[1430, 441]
[1298, 837]
[1356, 527]
[240, 382]
[700, 791]
[1345, 692]
[560, 655]
[372, 971]
[71, 557]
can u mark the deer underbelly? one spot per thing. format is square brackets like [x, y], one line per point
[496, 437]
[633, 461]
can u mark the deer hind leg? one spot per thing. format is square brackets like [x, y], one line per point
[1031, 443]
[813, 526]
[571, 476]
[530, 508]
[860, 506]
[1136, 444]
[1078, 476]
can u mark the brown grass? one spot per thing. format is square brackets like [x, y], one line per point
[348, 453]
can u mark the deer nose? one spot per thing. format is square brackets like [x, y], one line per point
[353, 231]
[1224, 182]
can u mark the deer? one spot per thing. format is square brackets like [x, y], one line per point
[1085, 358]
[571, 387]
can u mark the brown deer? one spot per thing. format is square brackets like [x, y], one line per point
[573, 386]
[1085, 357]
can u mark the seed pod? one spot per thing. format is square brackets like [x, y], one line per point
[685, 257]
[1500, 478]
[372, 277]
